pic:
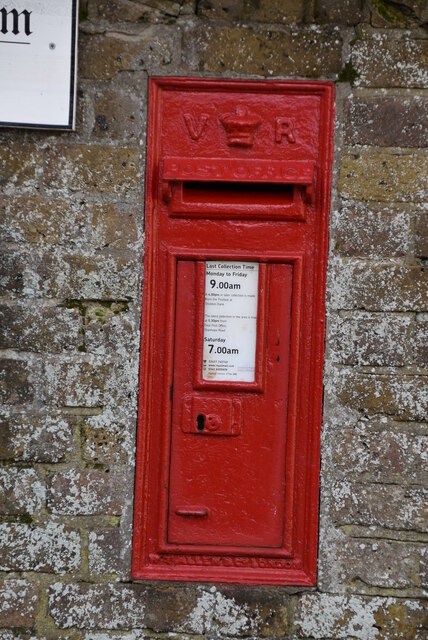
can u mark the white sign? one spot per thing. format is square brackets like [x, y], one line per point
[230, 321]
[38, 41]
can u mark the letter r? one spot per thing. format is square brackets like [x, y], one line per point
[284, 128]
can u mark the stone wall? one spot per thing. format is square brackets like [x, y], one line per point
[72, 229]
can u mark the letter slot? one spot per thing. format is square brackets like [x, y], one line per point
[230, 401]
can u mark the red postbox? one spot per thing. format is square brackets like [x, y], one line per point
[237, 200]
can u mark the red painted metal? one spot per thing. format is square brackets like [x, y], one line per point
[227, 472]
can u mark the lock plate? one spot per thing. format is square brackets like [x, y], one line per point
[211, 416]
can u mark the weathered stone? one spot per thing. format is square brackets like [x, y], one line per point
[403, 14]
[105, 441]
[324, 616]
[85, 493]
[380, 563]
[92, 169]
[104, 56]
[12, 271]
[21, 491]
[420, 350]
[98, 606]
[347, 12]
[81, 277]
[15, 385]
[113, 226]
[210, 612]
[385, 286]
[421, 234]
[19, 166]
[38, 328]
[402, 618]
[76, 383]
[272, 11]
[382, 455]
[370, 339]
[265, 52]
[407, 118]
[238, 610]
[150, 10]
[390, 506]
[117, 116]
[386, 61]
[383, 176]
[105, 552]
[117, 10]
[42, 220]
[51, 548]
[372, 230]
[114, 334]
[37, 437]
[402, 396]
[18, 603]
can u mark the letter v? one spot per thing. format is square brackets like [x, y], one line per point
[194, 127]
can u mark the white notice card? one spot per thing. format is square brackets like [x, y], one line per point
[38, 54]
[230, 321]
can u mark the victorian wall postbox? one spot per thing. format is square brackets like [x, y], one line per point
[237, 199]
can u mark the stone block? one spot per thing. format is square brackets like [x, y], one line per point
[86, 493]
[40, 220]
[377, 286]
[108, 276]
[20, 164]
[92, 169]
[15, 383]
[421, 234]
[13, 270]
[107, 441]
[405, 14]
[343, 12]
[240, 611]
[105, 552]
[406, 118]
[51, 548]
[381, 454]
[372, 230]
[401, 396]
[269, 11]
[38, 328]
[154, 11]
[21, 491]
[420, 348]
[97, 606]
[390, 506]
[76, 383]
[35, 436]
[19, 600]
[388, 59]
[312, 53]
[385, 564]
[117, 116]
[383, 175]
[104, 56]
[114, 226]
[370, 339]
[119, 334]
[323, 616]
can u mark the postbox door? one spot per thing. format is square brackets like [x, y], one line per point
[228, 444]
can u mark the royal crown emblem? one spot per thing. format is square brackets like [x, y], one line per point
[240, 127]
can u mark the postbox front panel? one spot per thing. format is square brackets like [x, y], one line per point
[237, 195]
[227, 471]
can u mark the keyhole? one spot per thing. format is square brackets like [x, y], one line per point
[201, 422]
